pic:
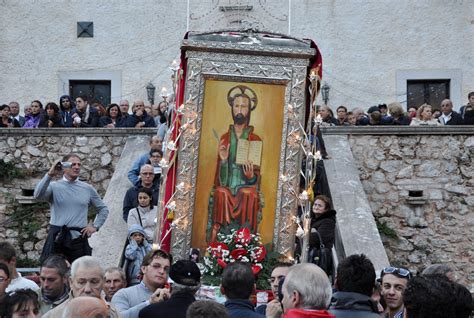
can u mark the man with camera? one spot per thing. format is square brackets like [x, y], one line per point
[69, 199]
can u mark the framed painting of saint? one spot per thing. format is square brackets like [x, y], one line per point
[246, 105]
[239, 157]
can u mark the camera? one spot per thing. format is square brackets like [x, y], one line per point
[66, 164]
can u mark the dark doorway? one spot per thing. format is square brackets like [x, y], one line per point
[431, 92]
[96, 91]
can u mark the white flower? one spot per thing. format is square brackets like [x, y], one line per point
[171, 206]
[180, 187]
[317, 155]
[284, 178]
[171, 146]
[303, 196]
[164, 163]
[299, 232]
[244, 259]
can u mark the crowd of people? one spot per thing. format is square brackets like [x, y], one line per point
[393, 114]
[171, 289]
[72, 283]
[80, 113]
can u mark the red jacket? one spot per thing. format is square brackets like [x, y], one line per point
[301, 313]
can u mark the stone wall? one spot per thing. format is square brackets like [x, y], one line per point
[33, 152]
[422, 188]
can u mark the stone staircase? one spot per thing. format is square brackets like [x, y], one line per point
[356, 230]
[108, 243]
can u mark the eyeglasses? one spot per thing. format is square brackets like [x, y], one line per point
[398, 271]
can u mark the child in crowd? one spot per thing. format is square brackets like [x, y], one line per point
[135, 251]
[144, 214]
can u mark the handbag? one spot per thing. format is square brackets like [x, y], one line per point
[321, 256]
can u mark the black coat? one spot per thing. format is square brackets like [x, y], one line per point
[456, 119]
[469, 117]
[353, 305]
[57, 121]
[325, 224]
[175, 307]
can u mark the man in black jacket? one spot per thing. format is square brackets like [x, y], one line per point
[448, 115]
[186, 279]
[354, 283]
[147, 180]
[84, 115]
[140, 118]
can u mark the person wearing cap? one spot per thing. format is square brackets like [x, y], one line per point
[394, 282]
[186, 279]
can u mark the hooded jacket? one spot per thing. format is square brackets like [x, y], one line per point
[134, 254]
[353, 305]
[66, 114]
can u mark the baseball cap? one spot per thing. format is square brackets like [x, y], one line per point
[185, 272]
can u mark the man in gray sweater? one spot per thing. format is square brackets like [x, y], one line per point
[69, 199]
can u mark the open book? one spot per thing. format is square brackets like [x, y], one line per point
[249, 151]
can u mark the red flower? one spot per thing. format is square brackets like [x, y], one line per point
[256, 269]
[260, 253]
[217, 248]
[221, 263]
[238, 253]
[242, 236]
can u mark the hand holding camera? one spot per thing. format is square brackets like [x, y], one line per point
[58, 166]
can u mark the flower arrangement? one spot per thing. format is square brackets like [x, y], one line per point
[240, 245]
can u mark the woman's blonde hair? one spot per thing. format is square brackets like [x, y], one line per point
[421, 109]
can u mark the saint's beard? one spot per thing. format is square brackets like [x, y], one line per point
[240, 119]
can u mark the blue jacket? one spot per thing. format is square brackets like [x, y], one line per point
[66, 115]
[241, 308]
[135, 253]
[135, 171]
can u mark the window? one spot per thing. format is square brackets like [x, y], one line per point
[96, 91]
[411, 90]
[431, 92]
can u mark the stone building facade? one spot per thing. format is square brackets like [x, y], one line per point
[421, 191]
[370, 49]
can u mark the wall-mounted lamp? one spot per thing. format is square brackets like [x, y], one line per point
[150, 91]
[325, 92]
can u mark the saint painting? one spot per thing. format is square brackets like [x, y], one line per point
[235, 195]
[239, 159]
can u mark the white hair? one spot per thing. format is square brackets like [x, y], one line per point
[87, 262]
[311, 283]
